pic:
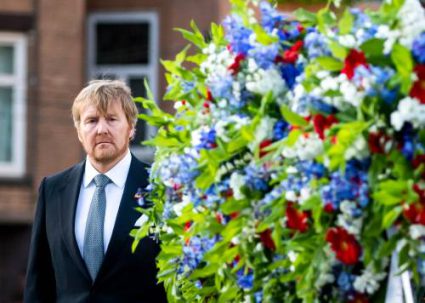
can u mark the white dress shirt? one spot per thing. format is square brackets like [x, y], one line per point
[114, 191]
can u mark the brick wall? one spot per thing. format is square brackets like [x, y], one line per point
[16, 6]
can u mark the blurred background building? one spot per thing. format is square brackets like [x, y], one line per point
[48, 50]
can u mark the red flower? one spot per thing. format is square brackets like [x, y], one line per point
[291, 55]
[209, 96]
[415, 212]
[219, 217]
[296, 219]
[235, 66]
[359, 298]
[352, 61]
[329, 208]
[266, 239]
[263, 146]
[345, 245]
[187, 226]
[377, 142]
[418, 88]
[321, 124]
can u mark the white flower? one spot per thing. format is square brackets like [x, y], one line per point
[348, 41]
[292, 256]
[236, 182]
[408, 110]
[325, 270]
[368, 281]
[329, 83]
[412, 20]
[265, 81]
[290, 195]
[197, 135]
[306, 148]
[263, 131]
[178, 207]
[416, 231]
[352, 225]
[305, 194]
[357, 150]
[389, 36]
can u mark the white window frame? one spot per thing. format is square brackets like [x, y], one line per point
[124, 72]
[18, 81]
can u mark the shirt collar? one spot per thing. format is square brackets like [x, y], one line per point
[117, 174]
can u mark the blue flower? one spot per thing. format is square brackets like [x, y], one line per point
[258, 296]
[345, 281]
[194, 251]
[237, 34]
[245, 280]
[280, 130]
[289, 74]
[221, 88]
[264, 55]
[182, 169]
[208, 140]
[351, 185]
[315, 104]
[256, 178]
[311, 169]
[418, 48]
[270, 18]
[315, 44]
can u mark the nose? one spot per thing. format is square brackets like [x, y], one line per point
[102, 126]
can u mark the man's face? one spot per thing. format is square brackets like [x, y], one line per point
[105, 138]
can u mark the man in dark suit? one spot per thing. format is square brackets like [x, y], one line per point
[80, 246]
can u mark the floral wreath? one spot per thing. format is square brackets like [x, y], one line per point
[294, 167]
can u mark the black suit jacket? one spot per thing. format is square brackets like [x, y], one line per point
[56, 270]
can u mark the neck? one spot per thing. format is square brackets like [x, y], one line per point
[104, 166]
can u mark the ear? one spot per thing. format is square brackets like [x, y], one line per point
[79, 134]
[132, 133]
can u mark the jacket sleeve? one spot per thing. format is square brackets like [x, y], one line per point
[40, 279]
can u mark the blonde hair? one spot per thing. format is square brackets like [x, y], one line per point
[102, 93]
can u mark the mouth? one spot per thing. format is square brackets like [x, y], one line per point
[103, 142]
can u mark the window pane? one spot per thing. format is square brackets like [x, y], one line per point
[5, 124]
[122, 43]
[138, 90]
[6, 59]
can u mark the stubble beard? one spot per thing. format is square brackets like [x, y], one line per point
[109, 155]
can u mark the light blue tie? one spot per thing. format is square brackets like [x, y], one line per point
[93, 251]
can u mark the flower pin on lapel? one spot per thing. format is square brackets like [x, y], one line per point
[139, 196]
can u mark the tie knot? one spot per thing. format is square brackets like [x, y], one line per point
[101, 180]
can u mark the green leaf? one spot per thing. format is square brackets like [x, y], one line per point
[217, 33]
[305, 17]
[338, 51]
[373, 48]
[330, 64]
[206, 271]
[195, 37]
[325, 20]
[291, 117]
[346, 22]
[263, 37]
[391, 216]
[403, 61]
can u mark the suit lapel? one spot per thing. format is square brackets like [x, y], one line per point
[127, 215]
[69, 198]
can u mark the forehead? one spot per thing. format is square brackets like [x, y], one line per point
[113, 108]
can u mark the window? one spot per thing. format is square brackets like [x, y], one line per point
[12, 104]
[125, 46]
